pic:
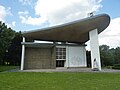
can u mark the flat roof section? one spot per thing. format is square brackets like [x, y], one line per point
[74, 32]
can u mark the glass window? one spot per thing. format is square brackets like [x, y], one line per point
[61, 53]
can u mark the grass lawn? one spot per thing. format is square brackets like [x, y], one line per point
[5, 68]
[59, 81]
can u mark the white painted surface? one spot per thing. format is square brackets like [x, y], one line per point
[23, 55]
[76, 56]
[94, 46]
[37, 41]
[67, 57]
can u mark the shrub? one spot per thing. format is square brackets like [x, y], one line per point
[116, 66]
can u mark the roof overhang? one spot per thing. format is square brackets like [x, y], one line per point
[76, 31]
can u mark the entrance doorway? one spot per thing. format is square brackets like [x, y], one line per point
[60, 57]
[60, 63]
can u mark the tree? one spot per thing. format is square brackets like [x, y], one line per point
[104, 48]
[6, 36]
[109, 57]
[106, 55]
[13, 56]
[117, 55]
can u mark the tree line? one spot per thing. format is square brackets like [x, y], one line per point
[10, 45]
[109, 56]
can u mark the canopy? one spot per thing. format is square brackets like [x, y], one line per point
[74, 32]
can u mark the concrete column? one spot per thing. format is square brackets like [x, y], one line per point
[23, 55]
[94, 45]
[67, 56]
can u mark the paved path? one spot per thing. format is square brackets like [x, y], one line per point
[65, 70]
[71, 70]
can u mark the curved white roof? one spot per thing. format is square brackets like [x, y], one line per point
[76, 32]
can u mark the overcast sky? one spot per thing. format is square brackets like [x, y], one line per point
[25, 15]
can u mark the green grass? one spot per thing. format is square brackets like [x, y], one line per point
[6, 68]
[59, 81]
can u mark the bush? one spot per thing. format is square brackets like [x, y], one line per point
[7, 68]
[116, 66]
[109, 67]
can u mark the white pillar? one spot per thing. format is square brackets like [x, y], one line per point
[67, 56]
[94, 45]
[23, 55]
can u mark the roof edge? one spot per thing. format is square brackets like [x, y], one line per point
[69, 23]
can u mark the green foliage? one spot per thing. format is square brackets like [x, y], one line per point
[59, 81]
[117, 55]
[109, 57]
[6, 35]
[116, 66]
[9, 40]
[104, 48]
[14, 52]
[6, 68]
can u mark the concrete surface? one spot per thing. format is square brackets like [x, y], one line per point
[72, 70]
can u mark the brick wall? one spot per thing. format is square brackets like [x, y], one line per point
[39, 58]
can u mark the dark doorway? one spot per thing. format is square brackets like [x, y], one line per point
[60, 63]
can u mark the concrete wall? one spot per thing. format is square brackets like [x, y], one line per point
[39, 58]
[45, 57]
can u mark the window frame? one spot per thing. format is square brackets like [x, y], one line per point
[60, 53]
